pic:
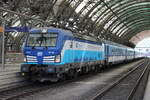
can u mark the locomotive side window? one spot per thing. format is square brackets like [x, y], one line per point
[42, 39]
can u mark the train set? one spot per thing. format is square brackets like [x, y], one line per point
[54, 54]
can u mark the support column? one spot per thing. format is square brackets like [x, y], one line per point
[2, 30]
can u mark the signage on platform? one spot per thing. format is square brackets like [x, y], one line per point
[1, 29]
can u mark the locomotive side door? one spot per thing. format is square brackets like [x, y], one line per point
[106, 53]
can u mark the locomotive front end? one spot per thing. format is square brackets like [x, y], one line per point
[42, 53]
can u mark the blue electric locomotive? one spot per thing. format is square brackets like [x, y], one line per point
[52, 53]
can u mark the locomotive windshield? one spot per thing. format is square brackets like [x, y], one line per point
[42, 39]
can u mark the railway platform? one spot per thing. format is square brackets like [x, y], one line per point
[80, 87]
[9, 76]
[147, 90]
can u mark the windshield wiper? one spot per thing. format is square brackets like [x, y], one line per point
[33, 47]
[46, 47]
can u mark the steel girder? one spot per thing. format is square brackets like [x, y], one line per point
[133, 23]
[126, 19]
[138, 27]
[132, 18]
[107, 19]
[84, 20]
[120, 22]
[115, 13]
[132, 12]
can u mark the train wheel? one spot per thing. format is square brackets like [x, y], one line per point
[63, 77]
[96, 68]
[83, 70]
[87, 69]
[75, 74]
[72, 74]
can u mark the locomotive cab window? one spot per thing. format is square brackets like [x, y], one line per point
[40, 39]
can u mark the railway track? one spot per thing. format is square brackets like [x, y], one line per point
[127, 87]
[16, 93]
[30, 89]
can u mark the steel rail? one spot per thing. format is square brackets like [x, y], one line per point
[37, 89]
[107, 89]
[138, 82]
[30, 90]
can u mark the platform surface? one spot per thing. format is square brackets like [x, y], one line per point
[10, 76]
[147, 91]
[9, 67]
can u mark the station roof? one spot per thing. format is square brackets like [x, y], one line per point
[115, 20]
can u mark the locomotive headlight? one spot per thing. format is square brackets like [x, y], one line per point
[25, 59]
[57, 58]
